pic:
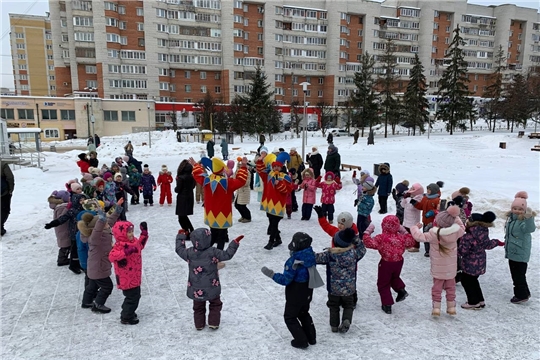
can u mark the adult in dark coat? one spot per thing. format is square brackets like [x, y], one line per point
[185, 183]
[356, 136]
[315, 161]
[210, 148]
[330, 138]
[136, 163]
[97, 140]
[8, 184]
[333, 161]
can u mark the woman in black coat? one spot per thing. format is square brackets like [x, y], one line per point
[185, 183]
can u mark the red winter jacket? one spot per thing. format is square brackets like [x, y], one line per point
[164, 180]
[426, 205]
[392, 242]
[83, 165]
[128, 268]
[332, 230]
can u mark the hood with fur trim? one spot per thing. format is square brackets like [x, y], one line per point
[86, 220]
[454, 228]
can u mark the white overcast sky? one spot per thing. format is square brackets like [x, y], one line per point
[39, 7]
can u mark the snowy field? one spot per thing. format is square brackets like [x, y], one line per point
[41, 317]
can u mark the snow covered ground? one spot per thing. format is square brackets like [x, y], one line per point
[41, 317]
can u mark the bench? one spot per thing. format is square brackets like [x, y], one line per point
[234, 149]
[535, 148]
[350, 167]
[520, 134]
[534, 136]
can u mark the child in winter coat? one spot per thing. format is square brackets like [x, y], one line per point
[83, 163]
[391, 244]
[58, 201]
[148, 186]
[429, 205]
[366, 204]
[164, 182]
[134, 183]
[100, 285]
[127, 259]
[243, 196]
[472, 252]
[329, 186]
[411, 215]
[397, 195]
[87, 186]
[341, 276]
[384, 185]
[443, 237]
[93, 160]
[466, 205]
[309, 185]
[109, 191]
[364, 174]
[517, 234]
[203, 281]
[299, 277]
[122, 189]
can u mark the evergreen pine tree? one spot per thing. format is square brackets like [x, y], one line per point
[494, 90]
[387, 85]
[516, 107]
[364, 97]
[453, 101]
[416, 104]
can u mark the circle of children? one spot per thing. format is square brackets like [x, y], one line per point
[89, 214]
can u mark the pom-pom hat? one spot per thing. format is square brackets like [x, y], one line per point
[344, 238]
[488, 217]
[447, 218]
[520, 200]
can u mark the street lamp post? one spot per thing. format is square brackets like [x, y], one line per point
[149, 127]
[304, 133]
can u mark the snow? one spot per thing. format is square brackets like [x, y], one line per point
[41, 315]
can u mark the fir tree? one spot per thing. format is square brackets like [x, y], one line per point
[453, 93]
[364, 97]
[387, 85]
[516, 107]
[416, 104]
[494, 90]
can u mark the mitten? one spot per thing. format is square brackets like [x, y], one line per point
[52, 224]
[370, 229]
[354, 174]
[430, 213]
[318, 179]
[154, 188]
[266, 271]
[402, 230]
[144, 226]
[237, 240]
[356, 201]
[413, 202]
[318, 210]
[500, 243]
[338, 180]
[128, 249]
[406, 195]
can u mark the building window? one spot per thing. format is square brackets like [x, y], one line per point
[319, 93]
[448, 29]
[187, 74]
[26, 114]
[51, 133]
[51, 67]
[91, 69]
[49, 47]
[22, 67]
[140, 26]
[217, 76]
[51, 77]
[202, 75]
[140, 12]
[122, 10]
[21, 56]
[63, 22]
[21, 46]
[67, 114]
[260, 23]
[123, 25]
[23, 77]
[49, 114]
[7, 114]
[321, 80]
[128, 115]
[19, 35]
[91, 84]
[110, 115]
[217, 89]
[203, 89]
[65, 38]
[163, 86]
[187, 88]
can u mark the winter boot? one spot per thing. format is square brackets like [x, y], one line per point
[387, 309]
[299, 344]
[277, 242]
[451, 308]
[132, 321]
[335, 329]
[516, 300]
[436, 309]
[101, 308]
[468, 306]
[270, 245]
[345, 325]
[63, 256]
[213, 327]
[75, 266]
[311, 333]
[401, 295]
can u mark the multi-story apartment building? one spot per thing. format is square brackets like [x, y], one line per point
[179, 50]
[32, 55]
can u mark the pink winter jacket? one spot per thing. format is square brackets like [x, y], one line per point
[310, 190]
[411, 215]
[128, 268]
[329, 191]
[443, 266]
[392, 242]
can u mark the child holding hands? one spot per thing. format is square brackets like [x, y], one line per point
[203, 282]
[309, 185]
[391, 244]
[127, 259]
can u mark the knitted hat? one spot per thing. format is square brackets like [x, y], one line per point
[520, 200]
[345, 219]
[434, 188]
[344, 238]
[402, 187]
[87, 178]
[300, 241]
[487, 217]
[263, 149]
[145, 167]
[364, 172]
[82, 156]
[447, 218]
[293, 149]
[98, 182]
[164, 168]
[117, 175]
[125, 158]
[416, 189]
[64, 195]
[329, 175]
[107, 175]
[75, 187]
[368, 184]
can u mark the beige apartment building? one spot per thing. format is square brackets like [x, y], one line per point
[69, 117]
[32, 55]
[179, 50]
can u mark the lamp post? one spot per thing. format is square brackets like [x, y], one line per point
[149, 128]
[90, 112]
[304, 133]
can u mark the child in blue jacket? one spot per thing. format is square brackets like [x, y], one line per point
[300, 277]
[365, 206]
[384, 184]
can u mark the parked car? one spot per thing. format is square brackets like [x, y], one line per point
[340, 132]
